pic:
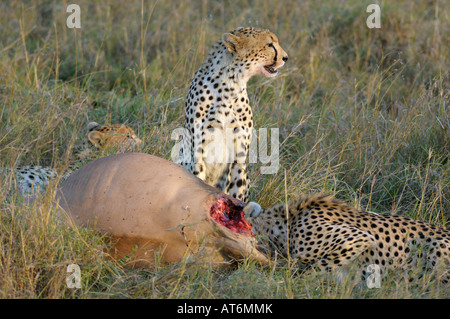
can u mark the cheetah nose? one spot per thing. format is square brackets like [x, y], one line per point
[285, 58]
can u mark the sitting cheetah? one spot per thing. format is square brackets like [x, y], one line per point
[326, 233]
[99, 137]
[218, 119]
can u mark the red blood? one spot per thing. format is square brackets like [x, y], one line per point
[230, 215]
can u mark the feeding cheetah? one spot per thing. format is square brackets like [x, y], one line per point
[218, 118]
[326, 233]
[120, 137]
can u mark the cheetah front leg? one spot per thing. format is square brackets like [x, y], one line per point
[198, 166]
[237, 184]
[196, 163]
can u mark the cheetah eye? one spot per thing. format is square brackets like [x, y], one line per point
[270, 45]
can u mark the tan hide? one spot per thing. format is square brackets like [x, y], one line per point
[150, 205]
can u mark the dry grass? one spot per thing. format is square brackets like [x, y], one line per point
[363, 114]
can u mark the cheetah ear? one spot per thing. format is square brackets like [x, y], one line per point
[232, 42]
[96, 138]
[92, 125]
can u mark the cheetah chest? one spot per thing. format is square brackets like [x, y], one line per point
[225, 138]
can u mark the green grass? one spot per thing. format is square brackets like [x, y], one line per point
[362, 113]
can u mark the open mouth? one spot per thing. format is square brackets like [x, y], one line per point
[269, 70]
[231, 216]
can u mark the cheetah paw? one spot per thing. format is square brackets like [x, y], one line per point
[252, 210]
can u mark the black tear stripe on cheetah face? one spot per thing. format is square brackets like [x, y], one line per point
[218, 118]
[326, 233]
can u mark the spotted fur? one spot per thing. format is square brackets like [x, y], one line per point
[117, 137]
[328, 234]
[218, 118]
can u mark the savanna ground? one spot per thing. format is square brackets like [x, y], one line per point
[362, 113]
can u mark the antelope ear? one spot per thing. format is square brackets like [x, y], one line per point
[95, 137]
[232, 42]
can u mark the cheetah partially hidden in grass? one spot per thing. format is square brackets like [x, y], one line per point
[99, 138]
[326, 233]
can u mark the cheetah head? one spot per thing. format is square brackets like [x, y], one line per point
[112, 135]
[256, 49]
